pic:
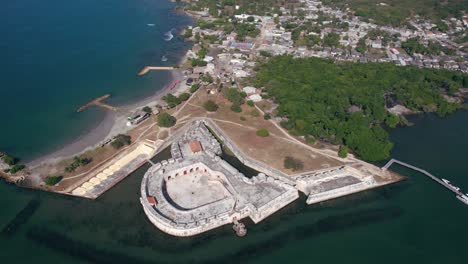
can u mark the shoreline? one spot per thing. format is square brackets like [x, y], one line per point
[111, 125]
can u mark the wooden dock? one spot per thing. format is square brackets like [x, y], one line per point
[98, 102]
[146, 69]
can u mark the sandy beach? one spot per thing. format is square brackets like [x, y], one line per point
[111, 125]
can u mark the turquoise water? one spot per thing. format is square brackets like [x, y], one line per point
[415, 221]
[58, 55]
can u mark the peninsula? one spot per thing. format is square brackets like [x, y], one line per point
[304, 103]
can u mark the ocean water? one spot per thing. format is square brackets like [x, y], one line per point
[414, 221]
[58, 55]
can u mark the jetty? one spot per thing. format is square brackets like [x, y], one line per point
[447, 185]
[98, 102]
[146, 69]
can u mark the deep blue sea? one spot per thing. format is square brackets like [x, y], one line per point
[57, 55]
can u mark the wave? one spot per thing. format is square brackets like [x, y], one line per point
[168, 35]
[163, 58]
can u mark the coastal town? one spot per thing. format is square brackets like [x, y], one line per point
[212, 108]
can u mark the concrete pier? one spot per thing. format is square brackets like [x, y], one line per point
[146, 69]
[98, 102]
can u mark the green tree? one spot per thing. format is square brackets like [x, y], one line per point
[188, 33]
[314, 97]
[15, 168]
[184, 97]
[235, 107]
[263, 132]
[210, 106]
[121, 140]
[147, 109]
[194, 88]
[171, 100]
[293, 163]
[207, 78]
[234, 96]
[343, 152]
[392, 120]
[10, 160]
[331, 40]
[53, 180]
[265, 53]
[166, 120]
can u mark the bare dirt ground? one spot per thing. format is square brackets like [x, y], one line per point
[271, 150]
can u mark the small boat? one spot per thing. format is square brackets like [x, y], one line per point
[150, 25]
[163, 58]
[463, 198]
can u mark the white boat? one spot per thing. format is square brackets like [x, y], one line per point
[453, 187]
[463, 198]
[150, 25]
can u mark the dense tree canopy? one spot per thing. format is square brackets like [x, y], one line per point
[121, 140]
[53, 180]
[396, 12]
[166, 120]
[317, 97]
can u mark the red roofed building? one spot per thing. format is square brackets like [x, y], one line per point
[151, 200]
[195, 146]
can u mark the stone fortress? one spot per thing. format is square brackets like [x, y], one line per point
[196, 191]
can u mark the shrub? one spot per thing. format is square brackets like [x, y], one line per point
[210, 106]
[207, 78]
[166, 120]
[53, 180]
[265, 53]
[10, 160]
[234, 96]
[242, 118]
[392, 120]
[121, 140]
[243, 94]
[171, 100]
[254, 113]
[263, 132]
[184, 97]
[15, 168]
[250, 103]
[310, 139]
[198, 62]
[293, 163]
[236, 108]
[267, 117]
[194, 88]
[77, 162]
[147, 109]
[343, 152]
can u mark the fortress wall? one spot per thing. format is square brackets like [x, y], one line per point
[244, 159]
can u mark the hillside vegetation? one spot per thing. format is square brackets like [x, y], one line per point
[344, 103]
[395, 12]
